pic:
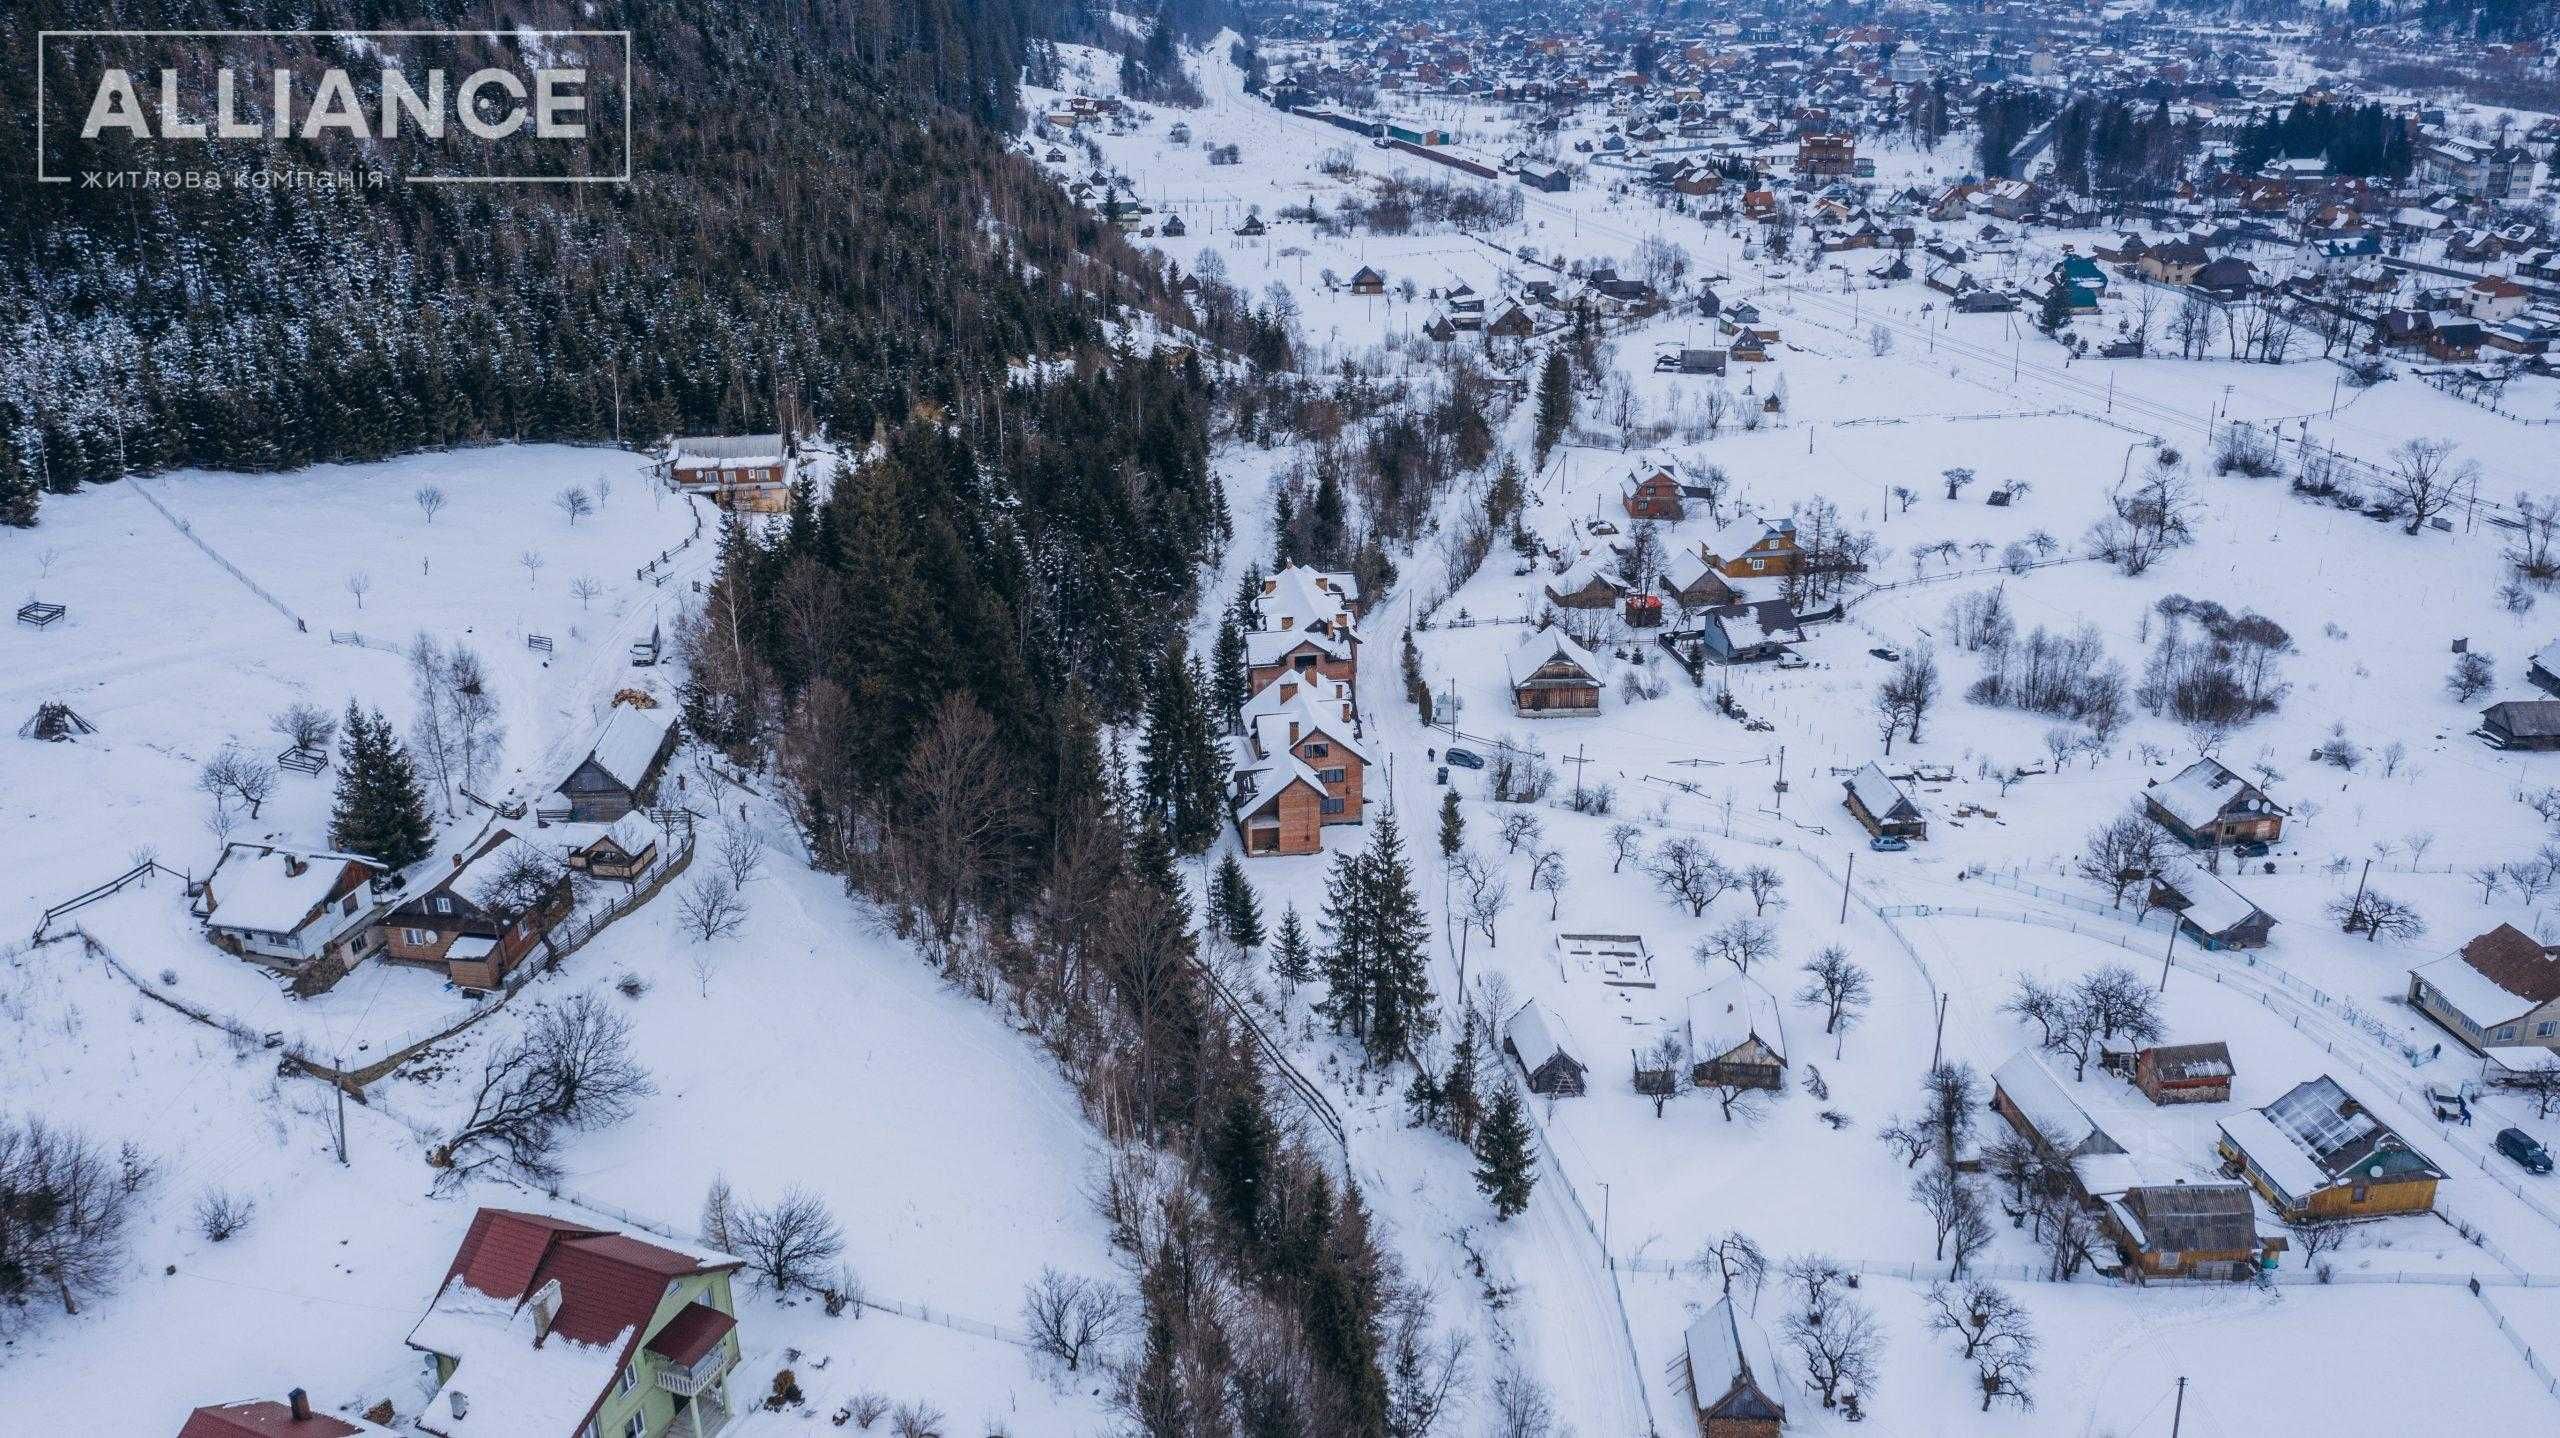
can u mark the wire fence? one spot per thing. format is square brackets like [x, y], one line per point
[2532, 1360]
[184, 528]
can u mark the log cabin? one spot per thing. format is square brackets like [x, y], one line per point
[453, 924]
[619, 771]
[306, 913]
[2206, 805]
[2184, 1073]
[1737, 1036]
[1731, 1369]
[1538, 1042]
[750, 473]
[1552, 677]
[1876, 801]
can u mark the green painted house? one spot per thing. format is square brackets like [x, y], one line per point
[548, 1328]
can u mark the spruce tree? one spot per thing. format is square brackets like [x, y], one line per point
[1505, 1168]
[1461, 1100]
[1555, 404]
[1422, 1099]
[1350, 941]
[1292, 958]
[380, 810]
[18, 491]
[1228, 684]
[1453, 825]
[1399, 982]
[1328, 520]
[1242, 1150]
[1180, 777]
[1239, 912]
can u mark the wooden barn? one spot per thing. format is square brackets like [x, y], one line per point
[1537, 1041]
[625, 850]
[2184, 1073]
[1587, 585]
[619, 771]
[1737, 1036]
[741, 472]
[1874, 800]
[2206, 805]
[1731, 1371]
[2317, 1153]
[2189, 1230]
[1551, 676]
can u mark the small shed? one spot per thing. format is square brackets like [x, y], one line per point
[1551, 675]
[1731, 1369]
[2184, 1073]
[1879, 803]
[2189, 1230]
[1538, 1042]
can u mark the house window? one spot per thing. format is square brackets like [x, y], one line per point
[630, 1377]
[444, 904]
[1755, 566]
[1305, 662]
[423, 938]
[2359, 1192]
[1318, 750]
[636, 1426]
[591, 1430]
[2504, 1033]
[2546, 1028]
[1332, 776]
[1333, 805]
[349, 906]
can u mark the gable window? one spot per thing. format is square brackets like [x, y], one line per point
[349, 906]
[444, 904]
[2360, 1192]
[1317, 749]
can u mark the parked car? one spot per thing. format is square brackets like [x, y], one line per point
[1887, 653]
[1793, 660]
[2254, 849]
[2529, 1154]
[1465, 758]
[1888, 843]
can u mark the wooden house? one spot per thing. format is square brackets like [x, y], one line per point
[2499, 991]
[1652, 492]
[2529, 724]
[458, 925]
[2025, 1092]
[1279, 806]
[1310, 719]
[2205, 805]
[1693, 583]
[2184, 1073]
[1737, 1035]
[625, 849]
[550, 1328]
[1366, 281]
[1876, 801]
[307, 913]
[619, 772]
[1511, 323]
[1552, 677]
[1252, 226]
[1538, 1042]
[1731, 1370]
[1590, 584]
[2202, 1230]
[741, 472]
[2209, 909]
[1304, 624]
[1751, 549]
[2317, 1153]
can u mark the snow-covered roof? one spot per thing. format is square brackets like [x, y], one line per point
[2200, 791]
[2103, 1174]
[1755, 623]
[1263, 779]
[2054, 1114]
[509, 1384]
[1269, 646]
[1272, 732]
[743, 451]
[1537, 1036]
[2212, 904]
[2473, 994]
[490, 862]
[634, 832]
[1685, 568]
[2284, 1163]
[1547, 644]
[255, 888]
[1582, 575]
[629, 742]
[1306, 595]
[1877, 793]
[1726, 1345]
[1730, 1014]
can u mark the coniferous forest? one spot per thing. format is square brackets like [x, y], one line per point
[930, 654]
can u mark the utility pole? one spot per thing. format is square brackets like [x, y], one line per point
[2174, 921]
[1578, 759]
[2355, 908]
[2178, 1415]
[1938, 1045]
[1781, 804]
[340, 1084]
[1844, 885]
[1604, 1227]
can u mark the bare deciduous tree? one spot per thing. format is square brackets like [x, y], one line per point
[569, 1070]
[430, 498]
[305, 726]
[64, 1229]
[359, 584]
[1741, 942]
[233, 774]
[710, 909]
[574, 502]
[1838, 1341]
[2424, 479]
[221, 1214]
[586, 587]
[1840, 986]
[793, 1244]
[1547, 876]
[533, 563]
[1070, 1316]
[1688, 874]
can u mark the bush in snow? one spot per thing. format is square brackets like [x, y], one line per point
[220, 1214]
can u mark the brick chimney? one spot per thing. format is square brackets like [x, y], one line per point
[300, 1403]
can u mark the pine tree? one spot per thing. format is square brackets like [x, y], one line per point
[380, 809]
[1239, 912]
[1422, 1099]
[1241, 1151]
[1555, 404]
[1179, 772]
[1453, 825]
[1292, 958]
[1328, 520]
[1505, 1168]
[1503, 498]
[1350, 933]
[1399, 983]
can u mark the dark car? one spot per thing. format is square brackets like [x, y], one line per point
[2254, 849]
[2529, 1154]
[1465, 758]
[1887, 653]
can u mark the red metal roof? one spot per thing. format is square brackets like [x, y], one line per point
[264, 1418]
[693, 1332]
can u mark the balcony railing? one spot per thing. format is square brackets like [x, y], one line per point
[690, 1382]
